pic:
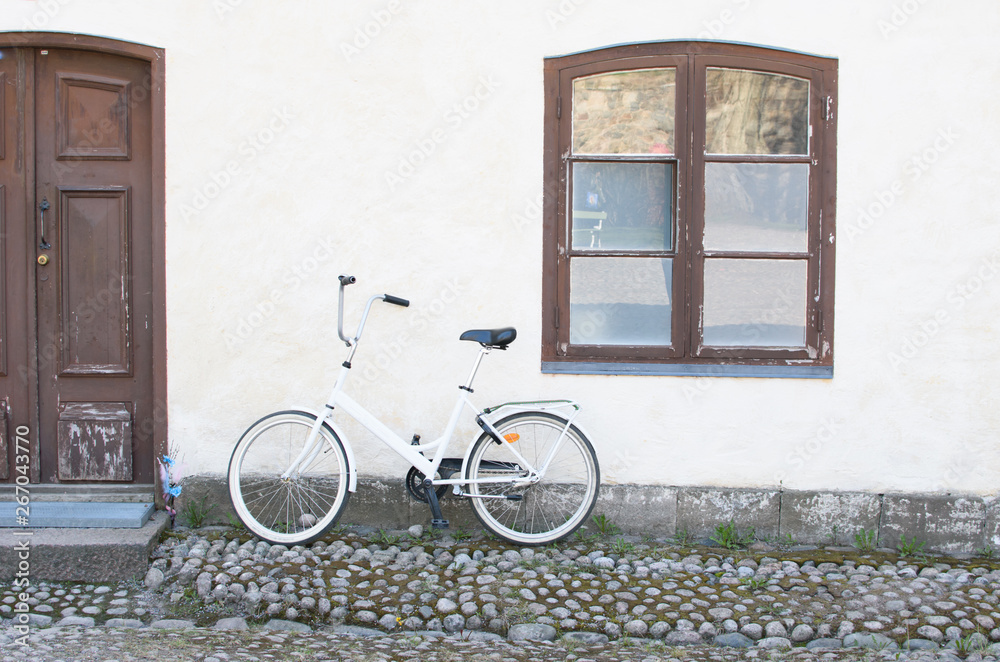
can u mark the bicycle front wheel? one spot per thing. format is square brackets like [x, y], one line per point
[292, 509]
[549, 509]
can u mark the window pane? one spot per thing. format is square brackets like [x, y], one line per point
[749, 112]
[756, 206]
[630, 112]
[619, 301]
[755, 303]
[622, 206]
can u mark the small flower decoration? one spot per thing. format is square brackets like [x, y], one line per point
[171, 473]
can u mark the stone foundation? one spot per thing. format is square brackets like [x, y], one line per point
[952, 524]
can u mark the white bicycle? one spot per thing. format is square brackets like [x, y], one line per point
[531, 478]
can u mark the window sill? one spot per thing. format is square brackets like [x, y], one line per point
[687, 369]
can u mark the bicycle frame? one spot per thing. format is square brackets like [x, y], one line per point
[414, 453]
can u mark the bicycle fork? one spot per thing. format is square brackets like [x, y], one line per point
[310, 450]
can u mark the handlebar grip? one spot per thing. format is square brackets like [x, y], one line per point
[388, 298]
[347, 280]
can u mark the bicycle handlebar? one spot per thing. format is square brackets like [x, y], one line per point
[388, 298]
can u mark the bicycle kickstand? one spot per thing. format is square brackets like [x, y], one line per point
[437, 519]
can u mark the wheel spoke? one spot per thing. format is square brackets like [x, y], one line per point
[551, 508]
[275, 508]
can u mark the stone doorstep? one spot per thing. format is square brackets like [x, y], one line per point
[70, 492]
[77, 514]
[77, 554]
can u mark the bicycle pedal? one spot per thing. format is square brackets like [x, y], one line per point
[439, 524]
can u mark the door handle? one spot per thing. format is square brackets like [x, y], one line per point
[43, 207]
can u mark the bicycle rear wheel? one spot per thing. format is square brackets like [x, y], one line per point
[299, 508]
[550, 509]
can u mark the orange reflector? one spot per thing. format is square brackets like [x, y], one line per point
[511, 437]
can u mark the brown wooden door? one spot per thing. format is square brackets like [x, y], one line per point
[86, 126]
[17, 379]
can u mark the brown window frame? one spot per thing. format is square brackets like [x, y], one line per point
[687, 354]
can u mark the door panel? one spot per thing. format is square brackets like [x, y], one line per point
[95, 441]
[92, 117]
[95, 296]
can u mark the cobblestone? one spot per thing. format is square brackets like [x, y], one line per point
[411, 593]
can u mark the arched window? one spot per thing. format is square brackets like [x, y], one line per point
[689, 210]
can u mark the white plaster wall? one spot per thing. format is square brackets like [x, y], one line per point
[309, 130]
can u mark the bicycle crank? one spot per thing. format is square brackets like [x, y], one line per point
[415, 486]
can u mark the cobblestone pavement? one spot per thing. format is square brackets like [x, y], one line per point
[215, 594]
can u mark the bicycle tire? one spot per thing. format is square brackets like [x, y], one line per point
[554, 507]
[293, 511]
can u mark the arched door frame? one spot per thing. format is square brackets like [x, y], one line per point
[155, 58]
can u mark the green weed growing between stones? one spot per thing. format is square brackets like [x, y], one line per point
[772, 608]
[683, 538]
[970, 643]
[514, 611]
[909, 547]
[865, 541]
[726, 535]
[605, 526]
[753, 583]
[880, 645]
[196, 512]
[383, 537]
[621, 546]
